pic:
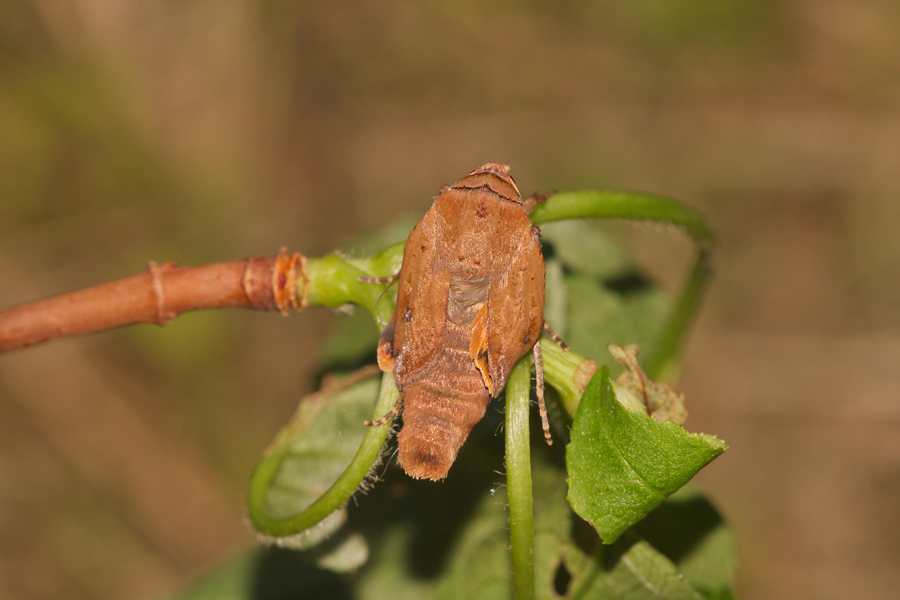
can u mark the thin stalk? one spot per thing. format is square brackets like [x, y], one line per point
[644, 207]
[334, 281]
[673, 333]
[518, 480]
[568, 372]
[593, 204]
[385, 263]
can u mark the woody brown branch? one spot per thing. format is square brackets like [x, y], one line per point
[158, 294]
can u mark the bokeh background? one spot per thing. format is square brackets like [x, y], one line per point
[210, 130]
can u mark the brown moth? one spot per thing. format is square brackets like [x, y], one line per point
[470, 304]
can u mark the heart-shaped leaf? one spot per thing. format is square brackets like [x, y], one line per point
[623, 464]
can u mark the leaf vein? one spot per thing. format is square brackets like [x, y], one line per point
[626, 560]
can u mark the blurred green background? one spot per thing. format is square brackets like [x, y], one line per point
[209, 130]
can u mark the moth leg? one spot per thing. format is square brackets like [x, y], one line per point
[553, 336]
[395, 410]
[539, 391]
[536, 198]
[389, 279]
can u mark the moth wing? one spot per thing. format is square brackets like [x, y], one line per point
[516, 299]
[421, 314]
[478, 347]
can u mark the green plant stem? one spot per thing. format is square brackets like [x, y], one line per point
[385, 263]
[593, 204]
[644, 207]
[560, 367]
[339, 492]
[673, 333]
[333, 281]
[518, 480]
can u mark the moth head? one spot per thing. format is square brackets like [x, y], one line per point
[492, 167]
[495, 176]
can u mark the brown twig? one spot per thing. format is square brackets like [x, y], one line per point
[158, 294]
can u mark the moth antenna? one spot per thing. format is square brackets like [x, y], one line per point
[539, 391]
[389, 280]
[553, 336]
[395, 410]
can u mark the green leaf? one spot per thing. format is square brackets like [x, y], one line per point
[478, 563]
[389, 573]
[320, 442]
[581, 246]
[689, 530]
[480, 567]
[601, 317]
[319, 460]
[631, 569]
[554, 527]
[592, 283]
[623, 464]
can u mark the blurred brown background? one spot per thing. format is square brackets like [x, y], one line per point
[209, 130]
